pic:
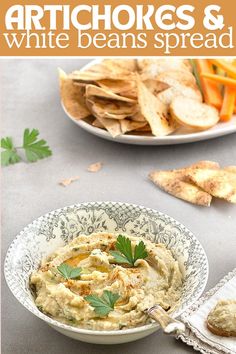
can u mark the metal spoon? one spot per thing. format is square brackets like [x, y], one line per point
[168, 324]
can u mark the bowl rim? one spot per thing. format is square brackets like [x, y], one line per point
[152, 326]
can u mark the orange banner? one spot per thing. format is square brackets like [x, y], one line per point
[116, 28]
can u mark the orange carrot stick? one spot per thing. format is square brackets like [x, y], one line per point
[211, 90]
[228, 104]
[229, 68]
[220, 79]
[234, 63]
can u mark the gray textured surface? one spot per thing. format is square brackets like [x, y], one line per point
[29, 93]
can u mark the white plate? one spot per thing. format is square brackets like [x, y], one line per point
[178, 137]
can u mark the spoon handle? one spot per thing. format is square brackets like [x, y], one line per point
[168, 324]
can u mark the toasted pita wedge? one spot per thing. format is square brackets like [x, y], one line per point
[168, 95]
[182, 173]
[88, 76]
[128, 125]
[98, 124]
[83, 84]
[117, 86]
[170, 182]
[151, 68]
[189, 112]
[219, 183]
[130, 94]
[118, 127]
[72, 97]
[156, 86]
[138, 117]
[145, 129]
[111, 125]
[204, 164]
[230, 169]
[92, 90]
[178, 78]
[110, 109]
[115, 116]
[154, 111]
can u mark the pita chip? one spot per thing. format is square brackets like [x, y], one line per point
[111, 125]
[110, 109]
[230, 169]
[219, 183]
[72, 97]
[128, 125]
[155, 111]
[171, 182]
[117, 86]
[97, 124]
[92, 90]
[156, 86]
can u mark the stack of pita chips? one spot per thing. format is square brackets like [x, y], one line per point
[139, 96]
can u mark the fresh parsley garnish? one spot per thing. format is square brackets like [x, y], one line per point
[104, 304]
[9, 156]
[68, 272]
[34, 149]
[125, 254]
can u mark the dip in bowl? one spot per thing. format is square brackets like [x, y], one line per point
[47, 237]
[89, 284]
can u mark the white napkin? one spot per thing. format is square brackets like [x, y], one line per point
[197, 333]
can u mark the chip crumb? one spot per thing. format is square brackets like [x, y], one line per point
[67, 181]
[95, 167]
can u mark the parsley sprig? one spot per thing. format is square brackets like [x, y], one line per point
[103, 305]
[68, 272]
[125, 254]
[34, 149]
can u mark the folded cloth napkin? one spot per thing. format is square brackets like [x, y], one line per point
[197, 334]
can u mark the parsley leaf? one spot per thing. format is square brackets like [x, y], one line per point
[123, 244]
[68, 272]
[7, 143]
[118, 257]
[35, 150]
[140, 251]
[125, 254]
[103, 305]
[9, 156]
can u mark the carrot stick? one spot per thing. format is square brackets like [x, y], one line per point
[228, 104]
[229, 68]
[220, 79]
[234, 63]
[211, 91]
